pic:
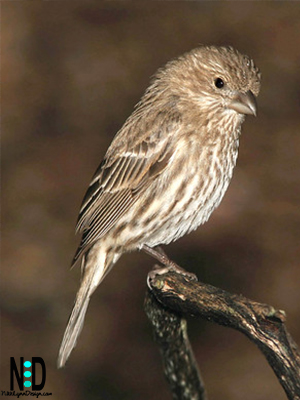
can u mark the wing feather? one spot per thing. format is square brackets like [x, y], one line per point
[121, 178]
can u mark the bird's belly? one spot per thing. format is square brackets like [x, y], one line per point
[177, 203]
[168, 214]
[184, 212]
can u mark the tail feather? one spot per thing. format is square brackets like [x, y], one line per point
[93, 273]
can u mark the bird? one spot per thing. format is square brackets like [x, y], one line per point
[166, 169]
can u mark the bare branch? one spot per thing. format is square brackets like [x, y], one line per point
[261, 323]
[180, 366]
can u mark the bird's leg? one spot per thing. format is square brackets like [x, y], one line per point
[160, 250]
[159, 254]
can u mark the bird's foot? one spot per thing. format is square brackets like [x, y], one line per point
[173, 267]
[169, 265]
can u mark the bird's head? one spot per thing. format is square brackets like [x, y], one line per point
[215, 80]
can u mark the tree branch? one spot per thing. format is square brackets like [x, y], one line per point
[261, 323]
[180, 366]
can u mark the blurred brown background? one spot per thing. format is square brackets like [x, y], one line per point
[71, 74]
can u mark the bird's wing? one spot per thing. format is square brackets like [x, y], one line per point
[121, 178]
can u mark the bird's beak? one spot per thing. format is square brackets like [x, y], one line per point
[244, 103]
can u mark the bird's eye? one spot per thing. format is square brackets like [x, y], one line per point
[219, 83]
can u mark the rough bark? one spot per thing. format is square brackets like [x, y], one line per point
[173, 296]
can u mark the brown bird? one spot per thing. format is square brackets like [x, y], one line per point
[167, 168]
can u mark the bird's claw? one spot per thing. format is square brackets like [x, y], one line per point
[171, 267]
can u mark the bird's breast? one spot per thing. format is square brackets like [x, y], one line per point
[189, 191]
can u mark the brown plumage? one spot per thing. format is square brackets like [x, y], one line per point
[167, 168]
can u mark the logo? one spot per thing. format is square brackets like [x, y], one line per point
[26, 374]
[27, 377]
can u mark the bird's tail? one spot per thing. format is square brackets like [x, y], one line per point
[94, 270]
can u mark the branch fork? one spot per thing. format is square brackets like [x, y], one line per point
[172, 295]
